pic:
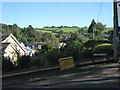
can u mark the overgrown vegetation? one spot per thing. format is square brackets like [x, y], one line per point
[104, 48]
[81, 43]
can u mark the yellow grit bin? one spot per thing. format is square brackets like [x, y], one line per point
[66, 63]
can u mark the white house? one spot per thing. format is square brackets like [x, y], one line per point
[36, 45]
[11, 48]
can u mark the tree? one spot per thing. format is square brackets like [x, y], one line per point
[92, 26]
[79, 31]
[100, 35]
[100, 26]
[30, 27]
[24, 40]
[60, 33]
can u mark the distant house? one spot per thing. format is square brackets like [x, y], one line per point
[62, 43]
[36, 45]
[29, 51]
[11, 48]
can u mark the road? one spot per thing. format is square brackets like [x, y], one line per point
[93, 76]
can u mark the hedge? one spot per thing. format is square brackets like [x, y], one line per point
[104, 48]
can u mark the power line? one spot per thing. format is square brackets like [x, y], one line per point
[99, 13]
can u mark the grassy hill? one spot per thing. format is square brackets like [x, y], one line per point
[66, 29]
[56, 30]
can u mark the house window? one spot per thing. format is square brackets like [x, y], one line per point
[33, 46]
[39, 47]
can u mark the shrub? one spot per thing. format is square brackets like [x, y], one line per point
[92, 43]
[88, 47]
[51, 57]
[37, 61]
[7, 65]
[73, 49]
[86, 53]
[104, 48]
[24, 62]
[45, 47]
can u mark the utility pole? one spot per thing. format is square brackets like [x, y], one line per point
[118, 10]
[115, 31]
[119, 29]
[94, 29]
[93, 33]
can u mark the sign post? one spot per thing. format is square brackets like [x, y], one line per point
[66, 63]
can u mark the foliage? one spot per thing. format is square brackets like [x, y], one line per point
[99, 35]
[80, 42]
[87, 49]
[7, 65]
[72, 49]
[51, 57]
[53, 42]
[29, 34]
[37, 61]
[104, 48]
[97, 30]
[100, 26]
[24, 62]
[92, 43]
[45, 48]
[86, 52]
[92, 26]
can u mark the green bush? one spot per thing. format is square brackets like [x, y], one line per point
[45, 48]
[88, 48]
[51, 57]
[7, 65]
[104, 48]
[37, 61]
[92, 43]
[24, 62]
[86, 53]
[72, 49]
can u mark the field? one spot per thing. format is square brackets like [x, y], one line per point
[56, 30]
[65, 29]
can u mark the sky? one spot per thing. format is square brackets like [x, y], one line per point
[40, 14]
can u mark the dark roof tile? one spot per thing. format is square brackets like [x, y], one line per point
[4, 36]
[4, 46]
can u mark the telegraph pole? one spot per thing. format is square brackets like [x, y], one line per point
[115, 31]
[93, 33]
[119, 29]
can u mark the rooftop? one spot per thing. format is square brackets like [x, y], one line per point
[3, 46]
[4, 36]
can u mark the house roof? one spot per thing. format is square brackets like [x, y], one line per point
[35, 43]
[38, 43]
[4, 36]
[4, 46]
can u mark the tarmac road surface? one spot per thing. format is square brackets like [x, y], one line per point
[94, 76]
